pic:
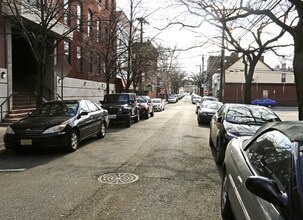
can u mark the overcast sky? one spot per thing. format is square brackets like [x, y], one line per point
[161, 12]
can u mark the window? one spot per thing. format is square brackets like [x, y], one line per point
[283, 77]
[92, 107]
[90, 61]
[265, 93]
[79, 58]
[67, 12]
[79, 16]
[98, 30]
[270, 156]
[98, 64]
[67, 54]
[90, 24]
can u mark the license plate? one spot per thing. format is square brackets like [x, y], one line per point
[26, 142]
[112, 116]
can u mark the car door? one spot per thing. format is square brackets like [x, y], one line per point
[95, 115]
[268, 156]
[216, 124]
[85, 119]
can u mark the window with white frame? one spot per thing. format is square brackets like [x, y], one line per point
[79, 58]
[67, 12]
[283, 77]
[98, 29]
[79, 16]
[89, 24]
[67, 53]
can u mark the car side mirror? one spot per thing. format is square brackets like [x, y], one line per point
[268, 190]
[220, 119]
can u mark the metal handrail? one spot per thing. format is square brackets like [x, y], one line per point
[1, 106]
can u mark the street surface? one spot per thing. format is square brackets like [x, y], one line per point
[160, 168]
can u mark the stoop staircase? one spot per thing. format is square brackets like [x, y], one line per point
[23, 104]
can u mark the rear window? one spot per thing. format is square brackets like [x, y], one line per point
[116, 98]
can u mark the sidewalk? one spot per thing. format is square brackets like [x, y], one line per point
[2, 131]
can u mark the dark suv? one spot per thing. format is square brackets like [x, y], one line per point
[121, 107]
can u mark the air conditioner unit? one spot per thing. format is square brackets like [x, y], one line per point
[3, 73]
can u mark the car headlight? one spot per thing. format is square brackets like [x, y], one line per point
[9, 130]
[54, 129]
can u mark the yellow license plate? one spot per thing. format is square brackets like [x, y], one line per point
[26, 142]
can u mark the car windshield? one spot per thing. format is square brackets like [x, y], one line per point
[54, 109]
[141, 100]
[156, 101]
[116, 98]
[250, 115]
[211, 105]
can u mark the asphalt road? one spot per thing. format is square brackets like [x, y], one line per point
[163, 166]
[160, 168]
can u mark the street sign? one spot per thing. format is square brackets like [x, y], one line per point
[62, 68]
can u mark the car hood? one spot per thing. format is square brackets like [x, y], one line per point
[208, 110]
[241, 129]
[38, 123]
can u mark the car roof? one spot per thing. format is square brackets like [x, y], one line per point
[292, 129]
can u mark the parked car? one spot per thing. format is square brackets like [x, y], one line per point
[61, 123]
[207, 110]
[121, 107]
[172, 99]
[146, 107]
[262, 174]
[202, 99]
[234, 120]
[195, 98]
[264, 102]
[158, 103]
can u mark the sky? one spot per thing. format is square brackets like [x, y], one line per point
[190, 41]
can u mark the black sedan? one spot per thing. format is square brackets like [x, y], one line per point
[61, 123]
[207, 110]
[234, 120]
[263, 174]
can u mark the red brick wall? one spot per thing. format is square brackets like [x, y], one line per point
[283, 94]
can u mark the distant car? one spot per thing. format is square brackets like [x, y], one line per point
[62, 123]
[121, 107]
[172, 99]
[207, 110]
[264, 102]
[195, 98]
[234, 120]
[204, 98]
[158, 103]
[262, 174]
[146, 108]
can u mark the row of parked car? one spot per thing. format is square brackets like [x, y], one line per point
[65, 123]
[261, 158]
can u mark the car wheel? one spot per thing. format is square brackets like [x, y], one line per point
[73, 141]
[269, 106]
[102, 130]
[128, 122]
[137, 118]
[146, 116]
[152, 113]
[220, 152]
[226, 211]
[199, 120]
[210, 142]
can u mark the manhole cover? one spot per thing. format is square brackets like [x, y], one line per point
[118, 178]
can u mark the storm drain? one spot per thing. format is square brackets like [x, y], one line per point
[118, 178]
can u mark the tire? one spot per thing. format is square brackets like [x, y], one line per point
[269, 106]
[128, 122]
[210, 142]
[220, 153]
[146, 116]
[226, 210]
[199, 120]
[102, 130]
[73, 141]
[137, 118]
[152, 113]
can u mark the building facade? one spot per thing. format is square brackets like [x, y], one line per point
[76, 68]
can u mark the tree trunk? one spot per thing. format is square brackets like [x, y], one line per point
[298, 72]
[41, 70]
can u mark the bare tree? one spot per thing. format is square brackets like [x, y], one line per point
[227, 18]
[41, 37]
[166, 66]
[288, 15]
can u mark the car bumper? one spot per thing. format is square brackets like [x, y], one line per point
[15, 141]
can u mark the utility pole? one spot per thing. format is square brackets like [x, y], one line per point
[141, 21]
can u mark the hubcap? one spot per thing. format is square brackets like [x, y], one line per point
[74, 140]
